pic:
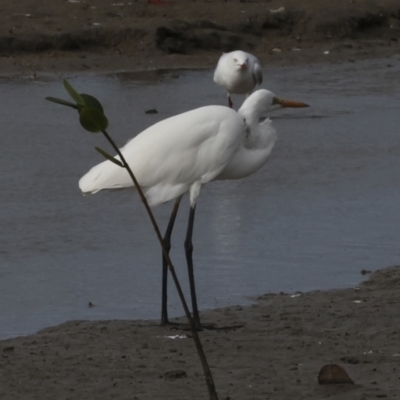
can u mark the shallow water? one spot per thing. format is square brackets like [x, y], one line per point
[324, 207]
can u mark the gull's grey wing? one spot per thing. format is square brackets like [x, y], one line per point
[257, 73]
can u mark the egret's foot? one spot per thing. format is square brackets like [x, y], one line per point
[167, 322]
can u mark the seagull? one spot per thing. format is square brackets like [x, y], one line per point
[182, 153]
[238, 72]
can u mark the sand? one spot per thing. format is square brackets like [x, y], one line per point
[283, 340]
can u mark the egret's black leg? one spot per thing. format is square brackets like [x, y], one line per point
[189, 260]
[167, 242]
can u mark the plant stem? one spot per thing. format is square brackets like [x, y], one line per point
[206, 369]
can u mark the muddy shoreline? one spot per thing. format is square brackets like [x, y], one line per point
[283, 342]
[104, 36]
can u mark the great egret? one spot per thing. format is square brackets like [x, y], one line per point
[238, 72]
[182, 153]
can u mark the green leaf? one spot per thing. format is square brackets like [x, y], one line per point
[92, 120]
[63, 102]
[111, 158]
[92, 102]
[73, 93]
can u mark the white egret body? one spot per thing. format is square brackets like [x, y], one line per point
[238, 72]
[174, 156]
[182, 153]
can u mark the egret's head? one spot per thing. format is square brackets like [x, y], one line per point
[262, 101]
[284, 103]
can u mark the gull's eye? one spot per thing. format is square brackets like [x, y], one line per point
[235, 59]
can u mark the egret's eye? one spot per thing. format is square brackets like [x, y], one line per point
[235, 59]
[275, 100]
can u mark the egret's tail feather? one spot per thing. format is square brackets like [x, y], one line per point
[104, 176]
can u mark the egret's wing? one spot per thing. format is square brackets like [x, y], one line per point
[168, 157]
[257, 73]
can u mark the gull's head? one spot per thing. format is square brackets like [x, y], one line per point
[240, 60]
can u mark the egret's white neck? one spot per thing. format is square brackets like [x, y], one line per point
[251, 116]
[256, 106]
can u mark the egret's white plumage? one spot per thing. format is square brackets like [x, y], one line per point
[238, 72]
[182, 153]
[174, 156]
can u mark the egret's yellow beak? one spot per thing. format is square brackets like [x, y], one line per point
[289, 103]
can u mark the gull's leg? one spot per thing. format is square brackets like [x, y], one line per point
[167, 242]
[230, 101]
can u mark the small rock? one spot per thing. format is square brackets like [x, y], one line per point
[178, 374]
[333, 373]
[365, 272]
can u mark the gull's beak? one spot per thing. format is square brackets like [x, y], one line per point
[289, 103]
[243, 67]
